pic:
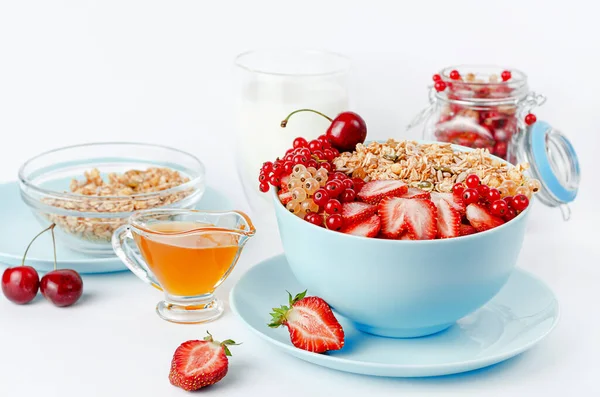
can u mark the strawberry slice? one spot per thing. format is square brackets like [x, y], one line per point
[406, 236]
[455, 201]
[355, 211]
[414, 192]
[481, 219]
[285, 197]
[416, 216]
[375, 191]
[465, 230]
[368, 228]
[310, 322]
[284, 182]
[199, 363]
[448, 221]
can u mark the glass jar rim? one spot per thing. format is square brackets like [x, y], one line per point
[329, 63]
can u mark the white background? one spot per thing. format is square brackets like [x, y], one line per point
[160, 71]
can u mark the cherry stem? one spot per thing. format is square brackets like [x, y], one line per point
[285, 121]
[53, 244]
[51, 227]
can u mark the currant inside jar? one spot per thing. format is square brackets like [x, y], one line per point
[479, 107]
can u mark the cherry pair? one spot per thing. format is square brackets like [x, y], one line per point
[62, 287]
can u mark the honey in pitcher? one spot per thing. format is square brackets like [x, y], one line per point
[190, 264]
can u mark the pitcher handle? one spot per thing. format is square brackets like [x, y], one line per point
[121, 246]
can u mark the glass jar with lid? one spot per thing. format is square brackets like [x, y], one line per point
[492, 107]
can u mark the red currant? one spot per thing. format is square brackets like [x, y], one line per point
[520, 202]
[290, 151]
[335, 222]
[348, 195]
[313, 218]
[327, 166]
[436, 77]
[470, 196]
[288, 157]
[440, 86]
[328, 154]
[510, 214]
[509, 201]
[483, 191]
[321, 197]
[319, 154]
[472, 181]
[458, 188]
[267, 167]
[287, 167]
[262, 177]
[530, 119]
[263, 187]
[277, 168]
[300, 159]
[274, 180]
[348, 184]
[335, 152]
[324, 139]
[315, 145]
[493, 195]
[339, 175]
[499, 208]
[312, 163]
[358, 184]
[305, 152]
[333, 206]
[300, 142]
[333, 188]
[454, 75]
[506, 75]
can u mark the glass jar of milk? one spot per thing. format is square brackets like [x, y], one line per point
[272, 84]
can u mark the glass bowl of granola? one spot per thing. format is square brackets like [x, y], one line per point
[90, 190]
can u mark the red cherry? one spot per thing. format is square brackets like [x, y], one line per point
[321, 197]
[439, 86]
[472, 181]
[483, 191]
[506, 75]
[327, 166]
[267, 167]
[470, 196]
[339, 175]
[20, 284]
[274, 180]
[499, 208]
[334, 222]
[511, 213]
[263, 187]
[493, 195]
[315, 145]
[530, 119]
[313, 218]
[300, 142]
[436, 77]
[520, 202]
[287, 167]
[328, 154]
[333, 206]
[62, 287]
[358, 184]
[348, 184]
[454, 75]
[458, 188]
[347, 195]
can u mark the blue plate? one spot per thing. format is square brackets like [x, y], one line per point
[19, 226]
[521, 315]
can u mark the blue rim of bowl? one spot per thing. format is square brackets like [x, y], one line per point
[73, 196]
[274, 190]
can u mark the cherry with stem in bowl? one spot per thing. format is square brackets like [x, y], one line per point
[62, 287]
[21, 284]
[346, 130]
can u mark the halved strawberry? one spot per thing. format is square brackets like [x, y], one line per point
[481, 219]
[455, 201]
[368, 228]
[199, 363]
[406, 236]
[418, 217]
[310, 322]
[285, 197]
[355, 211]
[414, 192]
[375, 191]
[448, 221]
[465, 230]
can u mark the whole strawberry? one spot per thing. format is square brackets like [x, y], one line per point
[310, 322]
[199, 363]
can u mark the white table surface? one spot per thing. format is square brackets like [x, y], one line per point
[81, 71]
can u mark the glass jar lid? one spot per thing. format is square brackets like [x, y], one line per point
[554, 163]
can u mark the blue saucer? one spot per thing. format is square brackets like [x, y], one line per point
[521, 315]
[19, 226]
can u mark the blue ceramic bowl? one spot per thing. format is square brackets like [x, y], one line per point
[399, 288]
